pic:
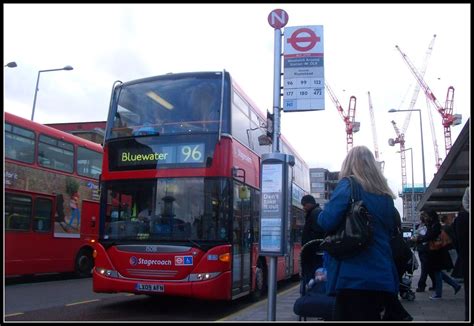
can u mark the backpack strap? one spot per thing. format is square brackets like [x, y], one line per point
[355, 195]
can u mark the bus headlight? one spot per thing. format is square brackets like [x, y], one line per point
[202, 276]
[107, 272]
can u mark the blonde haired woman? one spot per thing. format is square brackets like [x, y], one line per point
[362, 284]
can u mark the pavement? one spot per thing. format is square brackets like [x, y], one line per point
[449, 308]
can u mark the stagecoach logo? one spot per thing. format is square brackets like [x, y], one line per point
[134, 261]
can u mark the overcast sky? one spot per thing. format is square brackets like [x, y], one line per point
[105, 43]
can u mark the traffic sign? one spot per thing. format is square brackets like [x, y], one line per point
[278, 18]
[303, 88]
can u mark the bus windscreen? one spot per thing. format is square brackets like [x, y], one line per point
[167, 105]
[162, 210]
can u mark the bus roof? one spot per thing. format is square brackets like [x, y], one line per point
[171, 76]
[11, 118]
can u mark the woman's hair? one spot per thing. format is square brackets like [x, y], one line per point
[361, 163]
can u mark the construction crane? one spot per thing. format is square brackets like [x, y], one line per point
[374, 134]
[349, 118]
[400, 140]
[433, 137]
[416, 90]
[448, 118]
[401, 133]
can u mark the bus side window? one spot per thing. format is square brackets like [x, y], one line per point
[19, 143]
[42, 215]
[17, 212]
[43, 160]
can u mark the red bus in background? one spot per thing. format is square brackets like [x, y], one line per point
[51, 199]
[180, 191]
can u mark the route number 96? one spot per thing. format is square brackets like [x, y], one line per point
[193, 153]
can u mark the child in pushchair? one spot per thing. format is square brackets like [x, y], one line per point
[406, 266]
[313, 302]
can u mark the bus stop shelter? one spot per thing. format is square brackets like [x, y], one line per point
[446, 190]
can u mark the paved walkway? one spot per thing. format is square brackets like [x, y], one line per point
[449, 308]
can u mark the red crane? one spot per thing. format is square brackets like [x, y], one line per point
[448, 118]
[438, 160]
[401, 133]
[349, 118]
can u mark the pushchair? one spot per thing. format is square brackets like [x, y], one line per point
[406, 268]
[313, 302]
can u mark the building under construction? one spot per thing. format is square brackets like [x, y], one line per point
[322, 184]
[411, 195]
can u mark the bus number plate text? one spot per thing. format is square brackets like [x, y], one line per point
[150, 287]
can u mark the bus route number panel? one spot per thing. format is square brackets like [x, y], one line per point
[303, 94]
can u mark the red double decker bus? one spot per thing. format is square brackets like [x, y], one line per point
[180, 191]
[51, 199]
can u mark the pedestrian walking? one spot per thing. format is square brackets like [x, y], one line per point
[438, 259]
[457, 270]
[462, 233]
[365, 283]
[422, 248]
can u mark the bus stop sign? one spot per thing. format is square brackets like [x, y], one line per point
[278, 18]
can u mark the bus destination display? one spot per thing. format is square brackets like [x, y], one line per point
[161, 154]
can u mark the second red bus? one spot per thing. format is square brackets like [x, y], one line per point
[51, 199]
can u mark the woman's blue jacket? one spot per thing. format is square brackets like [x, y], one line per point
[374, 268]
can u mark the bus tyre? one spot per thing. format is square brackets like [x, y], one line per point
[260, 288]
[84, 263]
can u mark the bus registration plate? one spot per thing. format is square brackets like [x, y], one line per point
[150, 287]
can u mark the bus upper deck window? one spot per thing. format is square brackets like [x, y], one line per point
[203, 101]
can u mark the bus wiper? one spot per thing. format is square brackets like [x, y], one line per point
[148, 133]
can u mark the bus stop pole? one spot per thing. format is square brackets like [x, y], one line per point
[271, 311]
[276, 92]
[271, 315]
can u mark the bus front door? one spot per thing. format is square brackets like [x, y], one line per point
[241, 244]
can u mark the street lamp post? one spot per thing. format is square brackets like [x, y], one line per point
[422, 147]
[412, 188]
[37, 82]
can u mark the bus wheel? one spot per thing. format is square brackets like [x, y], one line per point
[260, 288]
[84, 263]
